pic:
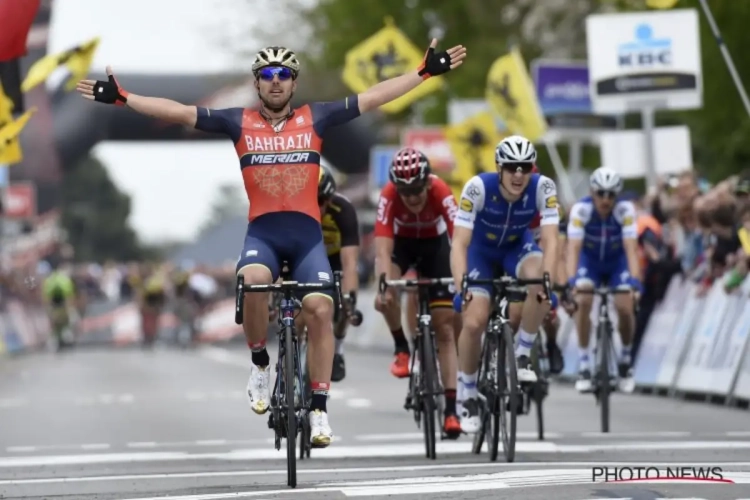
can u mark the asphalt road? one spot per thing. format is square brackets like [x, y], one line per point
[127, 424]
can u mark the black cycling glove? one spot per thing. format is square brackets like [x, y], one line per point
[110, 92]
[434, 64]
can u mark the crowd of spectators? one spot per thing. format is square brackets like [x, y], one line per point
[701, 236]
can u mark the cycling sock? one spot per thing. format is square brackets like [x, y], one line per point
[402, 345]
[626, 354]
[339, 346]
[525, 342]
[467, 385]
[450, 401]
[319, 396]
[583, 360]
[259, 354]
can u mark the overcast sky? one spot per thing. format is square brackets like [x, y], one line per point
[171, 184]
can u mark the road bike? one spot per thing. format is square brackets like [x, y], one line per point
[425, 396]
[606, 379]
[289, 403]
[501, 394]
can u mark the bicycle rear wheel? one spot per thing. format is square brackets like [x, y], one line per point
[428, 375]
[604, 388]
[291, 414]
[503, 422]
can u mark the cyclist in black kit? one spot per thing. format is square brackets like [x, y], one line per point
[341, 238]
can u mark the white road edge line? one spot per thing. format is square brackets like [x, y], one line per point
[349, 470]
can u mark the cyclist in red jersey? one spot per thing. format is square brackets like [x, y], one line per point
[279, 155]
[413, 228]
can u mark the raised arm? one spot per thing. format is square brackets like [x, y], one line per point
[434, 64]
[110, 92]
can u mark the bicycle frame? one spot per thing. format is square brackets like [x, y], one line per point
[425, 391]
[288, 365]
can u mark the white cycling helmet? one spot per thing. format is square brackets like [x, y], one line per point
[515, 149]
[276, 56]
[605, 179]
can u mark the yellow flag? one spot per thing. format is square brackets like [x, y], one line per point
[511, 95]
[10, 146]
[661, 4]
[473, 143]
[6, 107]
[386, 54]
[78, 61]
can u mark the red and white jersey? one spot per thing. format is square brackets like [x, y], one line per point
[395, 219]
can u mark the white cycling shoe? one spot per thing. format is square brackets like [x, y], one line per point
[321, 434]
[258, 389]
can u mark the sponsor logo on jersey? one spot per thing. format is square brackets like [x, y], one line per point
[551, 202]
[466, 205]
[282, 158]
[627, 221]
[268, 143]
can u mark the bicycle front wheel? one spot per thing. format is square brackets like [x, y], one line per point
[291, 414]
[603, 347]
[503, 422]
[428, 378]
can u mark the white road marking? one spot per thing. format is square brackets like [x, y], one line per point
[20, 449]
[418, 436]
[13, 402]
[371, 451]
[635, 434]
[358, 403]
[126, 398]
[95, 446]
[211, 442]
[424, 485]
[349, 470]
[142, 444]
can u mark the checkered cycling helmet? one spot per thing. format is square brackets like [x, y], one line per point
[409, 166]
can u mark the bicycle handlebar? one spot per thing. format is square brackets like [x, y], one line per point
[506, 283]
[416, 282]
[603, 290]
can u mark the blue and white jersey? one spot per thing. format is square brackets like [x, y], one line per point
[496, 222]
[602, 237]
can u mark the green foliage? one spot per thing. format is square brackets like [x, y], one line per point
[95, 215]
[488, 27]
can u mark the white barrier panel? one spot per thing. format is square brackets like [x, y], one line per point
[657, 339]
[694, 375]
[742, 386]
[681, 333]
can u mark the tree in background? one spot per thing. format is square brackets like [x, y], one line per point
[95, 215]
[229, 202]
[546, 28]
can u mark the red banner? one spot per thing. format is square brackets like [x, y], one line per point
[432, 142]
[16, 17]
[20, 200]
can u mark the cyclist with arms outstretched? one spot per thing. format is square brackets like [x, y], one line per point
[492, 235]
[413, 229]
[603, 250]
[279, 151]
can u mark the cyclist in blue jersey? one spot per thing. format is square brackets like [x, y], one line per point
[603, 250]
[492, 236]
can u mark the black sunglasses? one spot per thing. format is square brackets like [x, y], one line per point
[606, 194]
[524, 168]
